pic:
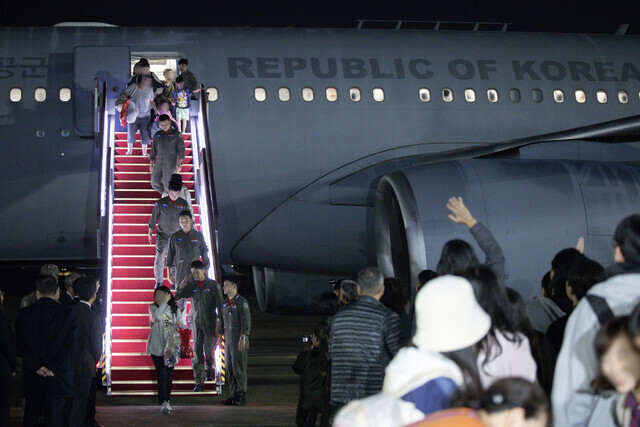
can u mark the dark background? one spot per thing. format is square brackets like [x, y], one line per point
[557, 16]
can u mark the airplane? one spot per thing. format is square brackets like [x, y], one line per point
[334, 149]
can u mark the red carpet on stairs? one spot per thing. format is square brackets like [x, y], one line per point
[132, 370]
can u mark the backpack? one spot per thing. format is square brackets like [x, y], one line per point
[601, 308]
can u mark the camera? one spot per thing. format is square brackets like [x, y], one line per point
[307, 338]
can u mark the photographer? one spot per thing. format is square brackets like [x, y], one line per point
[307, 365]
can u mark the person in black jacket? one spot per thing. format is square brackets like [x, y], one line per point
[69, 297]
[307, 365]
[87, 349]
[458, 255]
[45, 333]
[7, 364]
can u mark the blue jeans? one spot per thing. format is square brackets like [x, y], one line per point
[141, 124]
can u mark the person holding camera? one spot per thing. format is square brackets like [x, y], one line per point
[308, 366]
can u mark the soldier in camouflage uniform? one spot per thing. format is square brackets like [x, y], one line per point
[236, 320]
[206, 307]
[46, 270]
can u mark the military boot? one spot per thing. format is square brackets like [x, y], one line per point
[230, 400]
[240, 399]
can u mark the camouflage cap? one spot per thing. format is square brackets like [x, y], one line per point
[50, 270]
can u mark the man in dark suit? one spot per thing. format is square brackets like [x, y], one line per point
[45, 332]
[7, 365]
[70, 298]
[87, 348]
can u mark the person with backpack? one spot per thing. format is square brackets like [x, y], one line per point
[508, 402]
[617, 295]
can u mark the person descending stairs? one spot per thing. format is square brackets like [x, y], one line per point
[132, 370]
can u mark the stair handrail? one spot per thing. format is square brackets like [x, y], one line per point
[207, 163]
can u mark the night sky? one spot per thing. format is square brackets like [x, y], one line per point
[558, 16]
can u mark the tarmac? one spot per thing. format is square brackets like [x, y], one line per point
[272, 390]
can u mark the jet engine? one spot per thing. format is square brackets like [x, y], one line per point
[534, 209]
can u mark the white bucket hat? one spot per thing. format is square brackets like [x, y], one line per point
[448, 316]
[132, 113]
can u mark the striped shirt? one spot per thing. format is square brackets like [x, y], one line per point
[364, 338]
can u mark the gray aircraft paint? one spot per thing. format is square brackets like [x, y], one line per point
[294, 179]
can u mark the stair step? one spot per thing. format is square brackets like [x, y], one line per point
[130, 333]
[136, 282]
[123, 143]
[133, 260]
[138, 360]
[134, 307]
[142, 184]
[122, 136]
[129, 320]
[146, 176]
[135, 239]
[136, 229]
[130, 167]
[140, 271]
[137, 150]
[184, 372]
[133, 250]
[139, 219]
[141, 208]
[132, 294]
[146, 193]
[143, 160]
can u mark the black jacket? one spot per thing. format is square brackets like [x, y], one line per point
[45, 333]
[7, 349]
[307, 365]
[67, 300]
[87, 349]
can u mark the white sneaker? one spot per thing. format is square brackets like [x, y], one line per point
[128, 153]
[169, 406]
[165, 408]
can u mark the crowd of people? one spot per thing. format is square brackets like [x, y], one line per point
[468, 350]
[59, 336]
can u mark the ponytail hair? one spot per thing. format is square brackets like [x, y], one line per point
[504, 395]
[172, 301]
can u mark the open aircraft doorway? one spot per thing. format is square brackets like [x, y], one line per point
[158, 62]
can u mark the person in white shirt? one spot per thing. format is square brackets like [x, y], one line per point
[504, 352]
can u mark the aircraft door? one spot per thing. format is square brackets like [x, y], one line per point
[110, 64]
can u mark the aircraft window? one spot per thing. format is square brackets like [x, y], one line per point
[492, 95]
[15, 94]
[260, 93]
[536, 95]
[212, 94]
[623, 97]
[558, 96]
[40, 94]
[307, 94]
[470, 95]
[514, 95]
[581, 97]
[65, 94]
[447, 95]
[332, 94]
[602, 96]
[425, 95]
[378, 94]
[354, 94]
[284, 94]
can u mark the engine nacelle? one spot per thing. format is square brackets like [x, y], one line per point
[534, 209]
[289, 292]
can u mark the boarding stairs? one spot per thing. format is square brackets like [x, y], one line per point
[130, 200]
